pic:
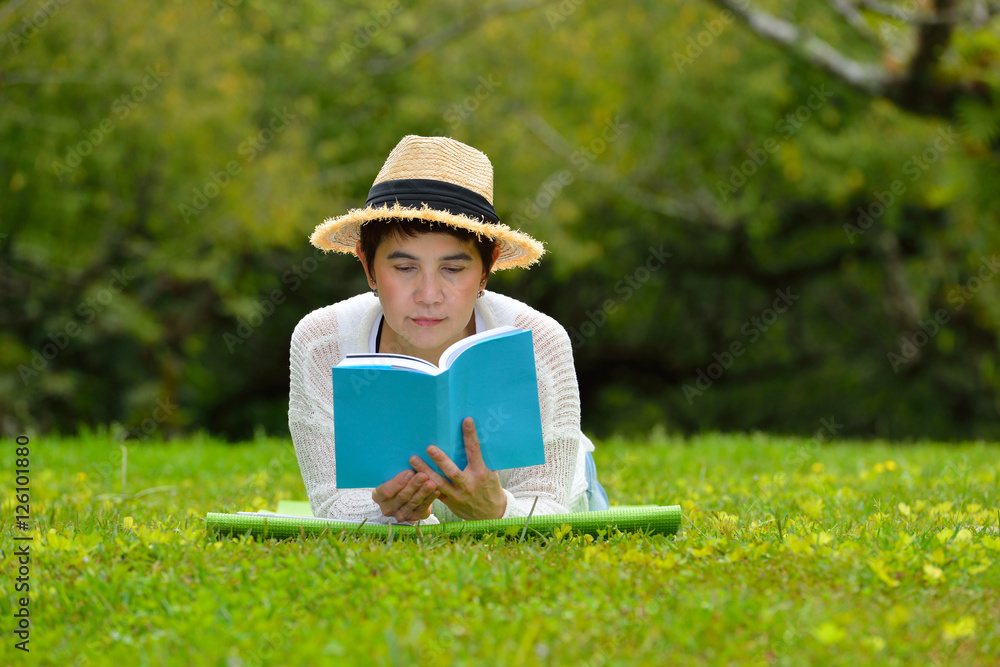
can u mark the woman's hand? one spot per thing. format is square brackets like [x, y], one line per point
[407, 496]
[473, 493]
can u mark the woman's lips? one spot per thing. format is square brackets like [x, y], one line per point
[426, 321]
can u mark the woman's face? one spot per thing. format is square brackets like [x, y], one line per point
[427, 285]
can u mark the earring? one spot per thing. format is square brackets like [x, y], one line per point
[480, 295]
[375, 291]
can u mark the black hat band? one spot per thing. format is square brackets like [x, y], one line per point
[439, 195]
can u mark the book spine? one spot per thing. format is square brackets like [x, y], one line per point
[446, 416]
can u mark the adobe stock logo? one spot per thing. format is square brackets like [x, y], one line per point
[582, 158]
[263, 309]
[915, 168]
[787, 127]
[253, 145]
[562, 12]
[753, 329]
[457, 114]
[696, 45]
[626, 287]
[30, 26]
[87, 310]
[495, 420]
[911, 343]
[121, 107]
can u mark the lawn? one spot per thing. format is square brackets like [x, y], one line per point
[791, 552]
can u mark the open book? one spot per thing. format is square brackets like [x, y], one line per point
[389, 407]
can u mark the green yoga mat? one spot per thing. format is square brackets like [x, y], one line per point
[297, 520]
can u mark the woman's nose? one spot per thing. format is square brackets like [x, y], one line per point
[429, 289]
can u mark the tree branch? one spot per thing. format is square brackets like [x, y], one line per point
[901, 304]
[697, 208]
[868, 78]
[915, 88]
[884, 9]
[853, 18]
[980, 13]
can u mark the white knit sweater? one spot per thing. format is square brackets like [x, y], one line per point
[320, 342]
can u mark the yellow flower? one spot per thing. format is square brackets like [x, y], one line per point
[878, 468]
[897, 616]
[813, 507]
[701, 552]
[890, 465]
[932, 572]
[128, 522]
[942, 508]
[818, 467]
[880, 570]
[799, 545]
[562, 531]
[978, 569]
[736, 554]
[963, 537]
[668, 562]
[874, 642]
[963, 627]
[904, 509]
[829, 633]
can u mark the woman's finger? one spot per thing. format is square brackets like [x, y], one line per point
[412, 498]
[422, 466]
[448, 467]
[390, 504]
[390, 488]
[473, 451]
[416, 507]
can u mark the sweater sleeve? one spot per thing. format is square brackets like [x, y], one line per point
[315, 348]
[559, 401]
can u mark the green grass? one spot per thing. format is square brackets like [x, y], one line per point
[789, 554]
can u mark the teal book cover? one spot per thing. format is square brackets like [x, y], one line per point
[387, 408]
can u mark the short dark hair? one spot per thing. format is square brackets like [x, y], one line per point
[375, 231]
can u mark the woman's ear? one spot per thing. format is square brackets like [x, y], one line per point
[496, 255]
[364, 264]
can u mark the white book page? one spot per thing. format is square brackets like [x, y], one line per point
[422, 365]
[456, 348]
[391, 360]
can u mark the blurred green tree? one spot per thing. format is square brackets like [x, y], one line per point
[759, 215]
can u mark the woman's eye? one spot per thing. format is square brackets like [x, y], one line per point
[454, 269]
[404, 269]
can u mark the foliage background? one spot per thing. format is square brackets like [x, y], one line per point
[612, 129]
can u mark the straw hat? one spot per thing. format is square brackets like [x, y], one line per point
[438, 180]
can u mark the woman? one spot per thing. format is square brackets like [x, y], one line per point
[428, 239]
